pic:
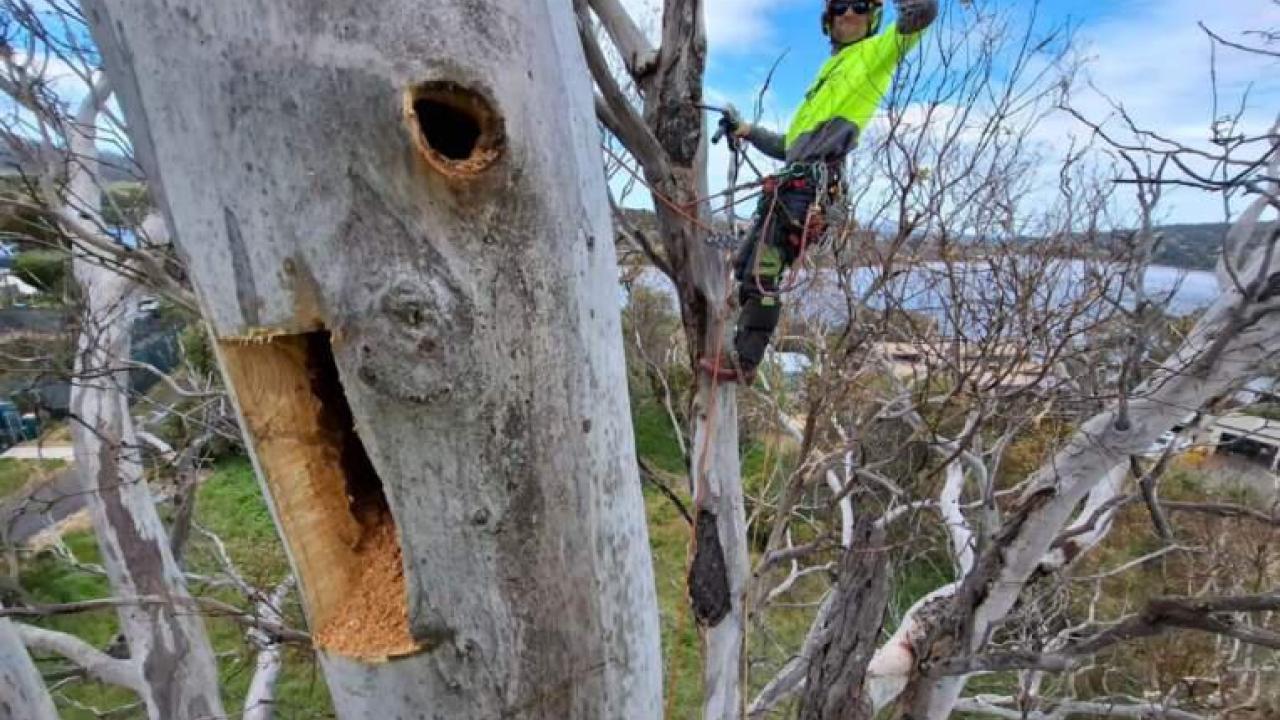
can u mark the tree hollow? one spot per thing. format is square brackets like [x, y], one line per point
[328, 498]
[455, 128]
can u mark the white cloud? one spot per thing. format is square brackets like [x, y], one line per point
[741, 26]
[733, 26]
[1153, 59]
[1149, 55]
[1156, 60]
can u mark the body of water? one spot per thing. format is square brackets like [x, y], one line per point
[976, 295]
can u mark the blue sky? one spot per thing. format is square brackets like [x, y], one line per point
[1149, 54]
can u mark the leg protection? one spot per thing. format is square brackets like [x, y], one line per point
[771, 248]
[757, 320]
[761, 308]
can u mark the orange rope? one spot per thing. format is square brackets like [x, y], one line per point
[700, 483]
[675, 207]
[792, 280]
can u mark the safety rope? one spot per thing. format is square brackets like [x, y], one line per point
[701, 485]
[792, 281]
[675, 207]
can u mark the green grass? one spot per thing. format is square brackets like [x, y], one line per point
[669, 543]
[230, 504]
[655, 438]
[14, 474]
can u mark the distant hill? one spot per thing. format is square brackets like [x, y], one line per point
[1184, 246]
[1193, 247]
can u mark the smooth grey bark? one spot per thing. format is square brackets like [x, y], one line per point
[169, 646]
[23, 695]
[666, 138]
[96, 664]
[333, 210]
[260, 700]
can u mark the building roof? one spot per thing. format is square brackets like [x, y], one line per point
[1254, 428]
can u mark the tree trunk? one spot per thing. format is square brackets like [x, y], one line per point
[721, 565]
[671, 147]
[835, 686]
[168, 644]
[23, 695]
[720, 550]
[394, 214]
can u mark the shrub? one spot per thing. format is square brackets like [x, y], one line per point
[46, 270]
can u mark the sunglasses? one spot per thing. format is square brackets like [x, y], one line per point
[859, 7]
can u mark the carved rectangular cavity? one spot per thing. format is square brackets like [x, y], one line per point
[328, 497]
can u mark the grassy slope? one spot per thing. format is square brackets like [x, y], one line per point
[230, 504]
[14, 474]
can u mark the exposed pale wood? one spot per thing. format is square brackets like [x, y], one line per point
[301, 464]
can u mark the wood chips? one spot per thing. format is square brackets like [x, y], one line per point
[372, 623]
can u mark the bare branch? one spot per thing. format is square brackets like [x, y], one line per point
[620, 117]
[638, 55]
[97, 664]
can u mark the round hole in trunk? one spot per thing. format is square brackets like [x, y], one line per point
[456, 129]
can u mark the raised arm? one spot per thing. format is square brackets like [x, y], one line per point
[915, 15]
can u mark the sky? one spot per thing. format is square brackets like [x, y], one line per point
[1148, 54]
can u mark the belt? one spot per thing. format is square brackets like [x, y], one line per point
[806, 176]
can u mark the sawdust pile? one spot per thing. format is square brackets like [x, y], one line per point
[372, 623]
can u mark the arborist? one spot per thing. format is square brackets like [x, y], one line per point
[836, 110]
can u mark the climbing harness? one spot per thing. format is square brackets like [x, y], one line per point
[827, 189]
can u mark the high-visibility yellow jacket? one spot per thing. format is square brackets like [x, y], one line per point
[841, 101]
